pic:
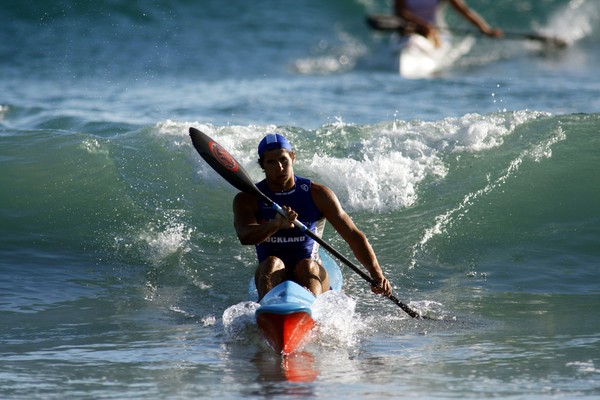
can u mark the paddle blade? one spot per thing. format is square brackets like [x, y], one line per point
[548, 41]
[386, 23]
[222, 162]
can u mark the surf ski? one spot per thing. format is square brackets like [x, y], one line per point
[285, 317]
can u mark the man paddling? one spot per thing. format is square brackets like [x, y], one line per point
[285, 253]
[423, 15]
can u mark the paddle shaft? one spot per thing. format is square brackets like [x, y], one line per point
[391, 23]
[342, 258]
[514, 35]
[226, 166]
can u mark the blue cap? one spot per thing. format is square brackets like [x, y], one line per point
[273, 141]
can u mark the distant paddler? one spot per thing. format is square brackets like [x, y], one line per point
[422, 17]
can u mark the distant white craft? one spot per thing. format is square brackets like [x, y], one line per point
[419, 58]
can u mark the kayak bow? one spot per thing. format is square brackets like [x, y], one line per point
[285, 313]
[285, 316]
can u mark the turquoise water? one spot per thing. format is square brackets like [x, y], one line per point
[120, 272]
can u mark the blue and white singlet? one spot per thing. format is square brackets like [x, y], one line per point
[290, 245]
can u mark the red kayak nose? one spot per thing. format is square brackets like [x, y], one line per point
[285, 332]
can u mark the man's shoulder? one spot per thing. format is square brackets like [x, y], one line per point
[244, 198]
[319, 187]
[322, 195]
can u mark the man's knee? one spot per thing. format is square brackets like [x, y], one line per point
[268, 274]
[270, 265]
[310, 269]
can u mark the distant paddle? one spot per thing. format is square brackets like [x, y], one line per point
[224, 163]
[391, 23]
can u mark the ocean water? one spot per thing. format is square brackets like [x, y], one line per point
[120, 273]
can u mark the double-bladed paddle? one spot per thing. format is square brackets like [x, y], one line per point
[391, 23]
[224, 164]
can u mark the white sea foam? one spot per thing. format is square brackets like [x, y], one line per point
[383, 171]
[574, 21]
[238, 319]
[164, 241]
[337, 323]
[381, 166]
